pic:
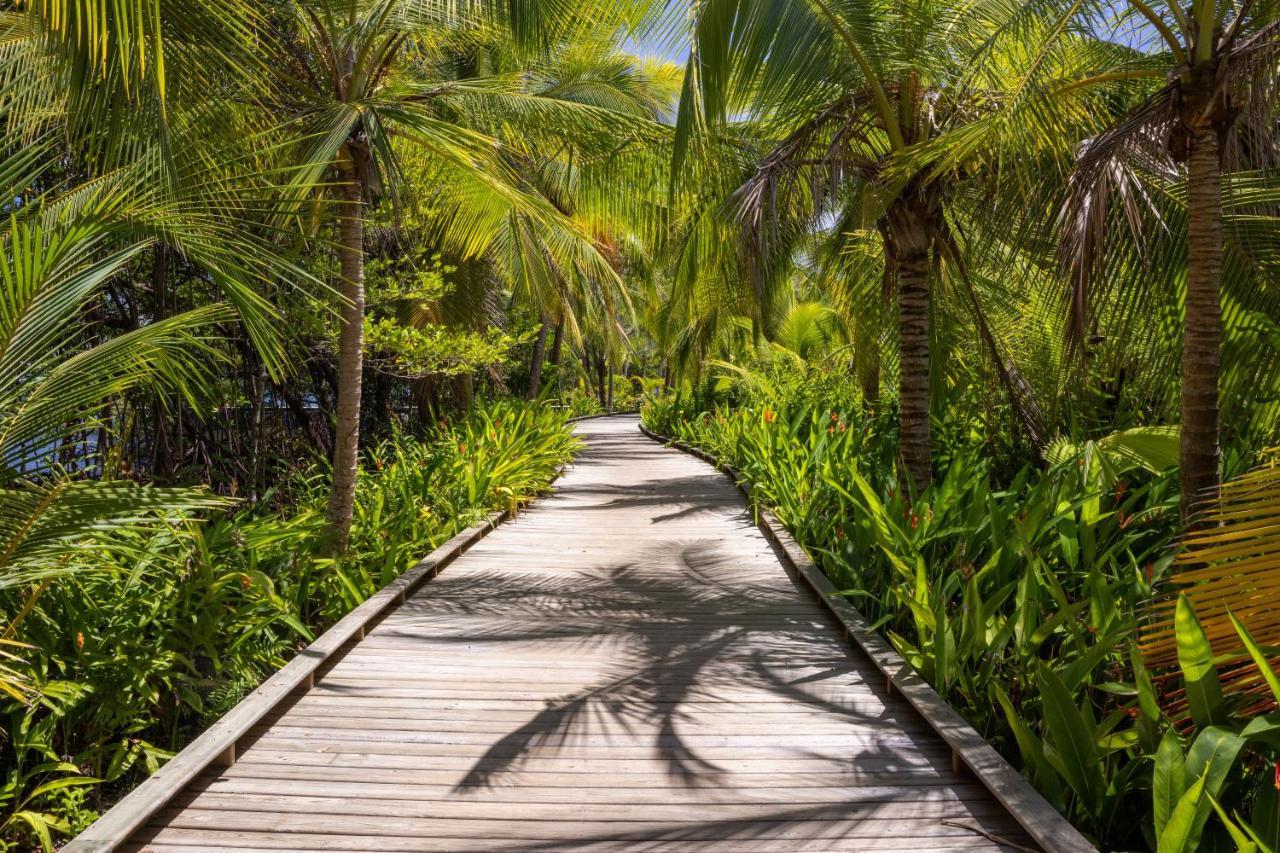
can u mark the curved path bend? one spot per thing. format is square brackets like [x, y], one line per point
[627, 666]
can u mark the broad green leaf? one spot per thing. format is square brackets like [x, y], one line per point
[1212, 755]
[1169, 779]
[1195, 657]
[1179, 834]
[1264, 820]
[1146, 691]
[1047, 779]
[1259, 659]
[1073, 739]
[1244, 844]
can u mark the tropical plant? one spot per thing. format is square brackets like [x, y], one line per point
[1019, 602]
[353, 82]
[1212, 108]
[159, 628]
[842, 123]
[1229, 571]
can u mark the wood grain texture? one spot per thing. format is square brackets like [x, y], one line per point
[627, 666]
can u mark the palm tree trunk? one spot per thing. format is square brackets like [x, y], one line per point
[601, 391]
[913, 367]
[424, 399]
[346, 444]
[913, 221]
[1202, 329]
[557, 342]
[535, 362]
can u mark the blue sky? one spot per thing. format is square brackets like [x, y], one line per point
[671, 43]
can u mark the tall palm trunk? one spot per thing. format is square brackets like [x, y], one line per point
[346, 444]
[602, 392]
[909, 235]
[913, 368]
[1202, 329]
[557, 347]
[557, 342]
[535, 361]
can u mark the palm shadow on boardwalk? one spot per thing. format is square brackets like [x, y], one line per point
[626, 667]
[687, 634]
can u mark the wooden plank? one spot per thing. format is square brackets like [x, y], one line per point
[737, 721]
[589, 773]
[170, 840]
[464, 809]
[566, 789]
[429, 745]
[779, 826]
[877, 770]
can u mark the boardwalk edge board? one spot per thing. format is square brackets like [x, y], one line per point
[1032, 811]
[216, 745]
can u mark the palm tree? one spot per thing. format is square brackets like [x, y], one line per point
[347, 87]
[849, 90]
[1215, 109]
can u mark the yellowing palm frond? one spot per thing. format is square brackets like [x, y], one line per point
[1231, 566]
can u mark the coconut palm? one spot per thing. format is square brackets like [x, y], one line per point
[1218, 67]
[848, 91]
[356, 83]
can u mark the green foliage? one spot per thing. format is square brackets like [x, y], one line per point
[157, 630]
[1018, 600]
[414, 352]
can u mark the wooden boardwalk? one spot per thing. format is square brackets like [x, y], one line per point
[627, 666]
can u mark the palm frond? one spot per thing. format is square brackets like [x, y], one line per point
[1229, 568]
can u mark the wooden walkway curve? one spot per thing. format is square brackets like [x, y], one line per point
[627, 666]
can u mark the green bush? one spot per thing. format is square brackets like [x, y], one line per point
[1018, 600]
[157, 632]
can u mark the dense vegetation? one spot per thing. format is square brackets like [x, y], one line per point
[156, 631]
[981, 297]
[1018, 594]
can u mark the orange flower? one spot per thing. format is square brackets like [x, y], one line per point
[770, 416]
[462, 448]
[842, 426]
[79, 640]
[915, 521]
[245, 582]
